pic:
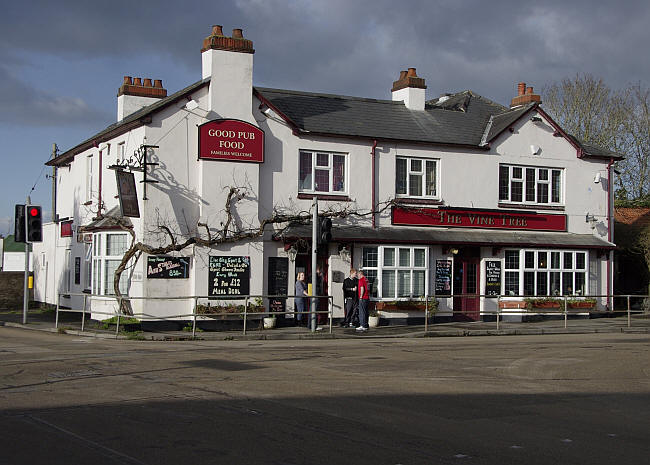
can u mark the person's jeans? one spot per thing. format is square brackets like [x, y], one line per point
[300, 307]
[350, 309]
[363, 312]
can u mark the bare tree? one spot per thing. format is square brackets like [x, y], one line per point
[617, 120]
[635, 169]
[228, 232]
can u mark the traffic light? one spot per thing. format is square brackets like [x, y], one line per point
[34, 223]
[324, 231]
[19, 224]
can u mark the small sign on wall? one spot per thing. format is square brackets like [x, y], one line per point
[166, 267]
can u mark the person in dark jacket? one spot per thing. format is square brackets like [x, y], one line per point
[350, 298]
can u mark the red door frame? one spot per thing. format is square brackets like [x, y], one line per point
[467, 288]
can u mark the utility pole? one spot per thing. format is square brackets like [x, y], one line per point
[314, 277]
[55, 149]
[26, 280]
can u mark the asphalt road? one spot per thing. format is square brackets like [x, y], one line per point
[562, 399]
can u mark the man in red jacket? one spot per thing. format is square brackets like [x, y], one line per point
[364, 297]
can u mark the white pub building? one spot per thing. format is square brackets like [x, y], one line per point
[485, 200]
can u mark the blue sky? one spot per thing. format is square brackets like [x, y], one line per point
[61, 63]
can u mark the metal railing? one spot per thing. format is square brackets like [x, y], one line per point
[560, 305]
[506, 305]
[245, 314]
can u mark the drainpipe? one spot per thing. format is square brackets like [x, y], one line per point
[372, 196]
[99, 204]
[610, 233]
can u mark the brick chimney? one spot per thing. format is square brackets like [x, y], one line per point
[409, 88]
[137, 93]
[524, 95]
[228, 62]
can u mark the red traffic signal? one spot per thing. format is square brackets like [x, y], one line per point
[34, 223]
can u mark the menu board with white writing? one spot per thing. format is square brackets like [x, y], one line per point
[229, 276]
[492, 278]
[443, 277]
[278, 284]
[166, 267]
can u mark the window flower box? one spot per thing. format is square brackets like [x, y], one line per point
[401, 306]
[588, 304]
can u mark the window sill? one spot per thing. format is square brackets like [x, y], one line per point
[531, 207]
[333, 197]
[414, 201]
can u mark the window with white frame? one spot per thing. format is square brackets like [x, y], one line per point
[108, 249]
[89, 178]
[89, 266]
[416, 177]
[530, 185]
[545, 272]
[121, 151]
[322, 172]
[397, 272]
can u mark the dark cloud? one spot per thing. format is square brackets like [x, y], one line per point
[354, 47]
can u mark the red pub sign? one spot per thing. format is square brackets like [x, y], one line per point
[451, 217]
[231, 139]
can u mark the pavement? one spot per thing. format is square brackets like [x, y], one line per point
[70, 323]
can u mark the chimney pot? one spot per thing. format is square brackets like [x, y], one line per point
[137, 81]
[521, 88]
[157, 83]
[217, 30]
[147, 82]
[237, 34]
[524, 96]
[128, 80]
[402, 75]
[412, 73]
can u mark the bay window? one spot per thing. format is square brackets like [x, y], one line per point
[322, 172]
[530, 185]
[108, 249]
[545, 272]
[397, 272]
[416, 177]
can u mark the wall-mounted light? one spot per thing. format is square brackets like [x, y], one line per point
[292, 253]
[344, 253]
[534, 149]
[597, 178]
[589, 218]
[191, 105]
[453, 251]
[536, 119]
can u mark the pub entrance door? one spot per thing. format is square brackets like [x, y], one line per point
[466, 284]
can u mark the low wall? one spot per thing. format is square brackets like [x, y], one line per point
[11, 290]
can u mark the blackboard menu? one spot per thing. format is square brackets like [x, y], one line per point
[278, 284]
[229, 276]
[443, 277]
[166, 267]
[492, 278]
[77, 270]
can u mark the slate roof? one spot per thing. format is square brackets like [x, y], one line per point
[463, 119]
[138, 118]
[459, 120]
[452, 236]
